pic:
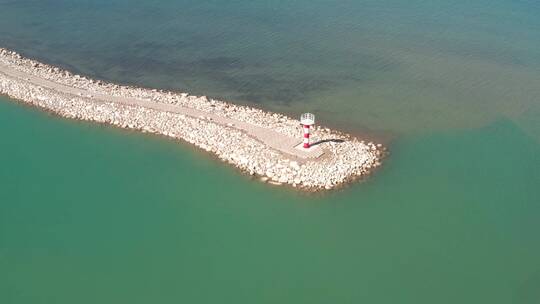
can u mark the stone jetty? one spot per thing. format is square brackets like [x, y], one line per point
[260, 143]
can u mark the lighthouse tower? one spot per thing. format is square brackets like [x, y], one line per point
[307, 120]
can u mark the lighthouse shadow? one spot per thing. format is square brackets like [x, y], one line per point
[327, 140]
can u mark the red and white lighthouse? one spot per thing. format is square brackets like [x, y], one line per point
[307, 120]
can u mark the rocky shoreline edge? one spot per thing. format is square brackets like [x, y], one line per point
[214, 128]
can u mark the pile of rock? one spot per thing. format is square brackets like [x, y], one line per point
[341, 163]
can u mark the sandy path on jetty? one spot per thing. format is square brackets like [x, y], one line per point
[269, 137]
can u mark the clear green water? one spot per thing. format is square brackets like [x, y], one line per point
[92, 214]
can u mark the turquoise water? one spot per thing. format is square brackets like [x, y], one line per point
[92, 214]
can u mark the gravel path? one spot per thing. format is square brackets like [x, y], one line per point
[269, 137]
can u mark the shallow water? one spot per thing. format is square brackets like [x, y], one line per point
[393, 66]
[92, 214]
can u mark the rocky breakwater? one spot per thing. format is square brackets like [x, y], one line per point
[210, 124]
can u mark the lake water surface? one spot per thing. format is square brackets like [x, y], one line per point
[93, 214]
